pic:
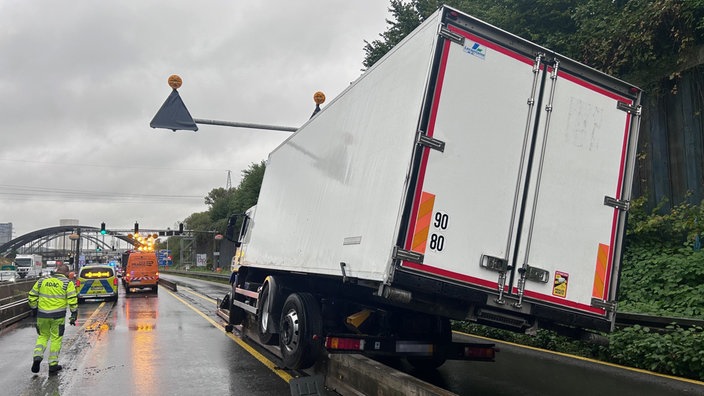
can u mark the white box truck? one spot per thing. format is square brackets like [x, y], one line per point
[469, 174]
[29, 266]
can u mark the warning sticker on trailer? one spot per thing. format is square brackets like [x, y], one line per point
[559, 287]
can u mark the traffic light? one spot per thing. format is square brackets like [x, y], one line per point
[180, 228]
[136, 227]
[98, 249]
[102, 229]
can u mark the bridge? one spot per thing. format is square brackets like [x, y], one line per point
[68, 241]
[65, 242]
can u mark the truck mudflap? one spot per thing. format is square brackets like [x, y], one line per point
[526, 200]
[386, 346]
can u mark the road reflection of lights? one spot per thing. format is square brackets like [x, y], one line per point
[93, 326]
[141, 315]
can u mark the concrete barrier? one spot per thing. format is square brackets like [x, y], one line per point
[349, 374]
[13, 302]
[168, 284]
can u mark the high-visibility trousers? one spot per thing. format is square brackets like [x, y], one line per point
[49, 331]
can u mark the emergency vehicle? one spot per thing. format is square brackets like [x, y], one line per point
[96, 281]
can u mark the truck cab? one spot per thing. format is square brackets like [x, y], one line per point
[29, 266]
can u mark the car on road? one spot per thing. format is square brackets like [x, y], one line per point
[8, 273]
[97, 281]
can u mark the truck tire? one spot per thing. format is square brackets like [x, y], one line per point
[264, 317]
[301, 324]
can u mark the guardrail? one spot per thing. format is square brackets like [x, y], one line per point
[13, 302]
[211, 276]
[627, 319]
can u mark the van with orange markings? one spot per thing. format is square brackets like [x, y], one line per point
[141, 271]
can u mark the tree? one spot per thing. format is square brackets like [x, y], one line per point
[641, 41]
[216, 194]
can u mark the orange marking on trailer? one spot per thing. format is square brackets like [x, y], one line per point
[425, 215]
[602, 258]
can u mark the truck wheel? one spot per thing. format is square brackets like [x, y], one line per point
[301, 328]
[264, 318]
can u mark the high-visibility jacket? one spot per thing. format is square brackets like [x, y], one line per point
[52, 295]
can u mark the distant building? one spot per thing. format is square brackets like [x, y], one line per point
[5, 232]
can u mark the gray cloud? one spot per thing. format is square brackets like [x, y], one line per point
[81, 80]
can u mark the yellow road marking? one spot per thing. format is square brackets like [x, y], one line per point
[83, 327]
[637, 370]
[206, 298]
[268, 363]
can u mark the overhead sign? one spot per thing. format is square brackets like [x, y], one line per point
[164, 257]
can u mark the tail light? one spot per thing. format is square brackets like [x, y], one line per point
[78, 283]
[114, 281]
[347, 344]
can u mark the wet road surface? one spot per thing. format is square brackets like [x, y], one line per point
[140, 345]
[174, 344]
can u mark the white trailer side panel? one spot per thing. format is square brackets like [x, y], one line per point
[345, 173]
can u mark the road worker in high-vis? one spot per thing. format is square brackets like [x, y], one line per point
[49, 299]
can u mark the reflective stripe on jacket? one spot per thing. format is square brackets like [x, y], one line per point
[52, 295]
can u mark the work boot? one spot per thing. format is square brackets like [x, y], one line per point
[35, 364]
[55, 368]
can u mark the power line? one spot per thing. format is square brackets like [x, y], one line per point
[59, 194]
[119, 166]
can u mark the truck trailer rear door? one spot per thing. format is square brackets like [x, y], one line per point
[522, 149]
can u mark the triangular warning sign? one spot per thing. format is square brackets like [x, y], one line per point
[173, 115]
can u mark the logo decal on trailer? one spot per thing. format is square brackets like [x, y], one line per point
[559, 287]
[475, 49]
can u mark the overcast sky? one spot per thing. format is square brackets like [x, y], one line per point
[80, 81]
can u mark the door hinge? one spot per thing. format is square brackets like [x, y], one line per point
[427, 141]
[454, 37]
[607, 305]
[629, 108]
[616, 203]
[407, 255]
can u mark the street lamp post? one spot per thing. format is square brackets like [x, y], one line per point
[76, 236]
[216, 251]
